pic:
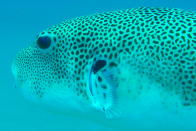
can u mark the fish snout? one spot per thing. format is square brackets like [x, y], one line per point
[13, 67]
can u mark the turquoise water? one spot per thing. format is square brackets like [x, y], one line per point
[20, 21]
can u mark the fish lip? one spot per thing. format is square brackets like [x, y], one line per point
[14, 73]
[13, 68]
[17, 83]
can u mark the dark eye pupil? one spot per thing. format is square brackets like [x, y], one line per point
[44, 42]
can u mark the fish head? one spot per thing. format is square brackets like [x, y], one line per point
[51, 70]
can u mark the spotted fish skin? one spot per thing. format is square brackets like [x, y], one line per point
[157, 43]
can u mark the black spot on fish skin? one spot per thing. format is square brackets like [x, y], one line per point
[112, 64]
[98, 65]
[104, 95]
[104, 86]
[99, 79]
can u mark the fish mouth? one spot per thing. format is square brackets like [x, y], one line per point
[24, 86]
[13, 69]
[17, 82]
[14, 73]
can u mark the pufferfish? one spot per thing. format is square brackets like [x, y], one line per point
[112, 62]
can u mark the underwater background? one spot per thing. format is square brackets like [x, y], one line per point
[20, 22]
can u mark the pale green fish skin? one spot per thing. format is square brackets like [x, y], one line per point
[149, 52]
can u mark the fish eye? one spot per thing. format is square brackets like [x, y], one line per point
[44, 42]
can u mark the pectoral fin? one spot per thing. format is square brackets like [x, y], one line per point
[103, 86]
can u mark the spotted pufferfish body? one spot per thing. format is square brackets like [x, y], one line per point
[107, 59]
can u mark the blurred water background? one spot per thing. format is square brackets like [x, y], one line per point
[20, 21]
